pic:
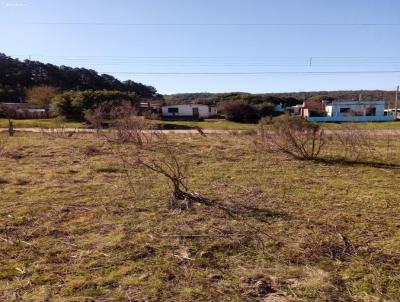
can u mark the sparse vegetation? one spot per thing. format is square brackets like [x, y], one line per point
[70, 229]
[152, 151]
[356, 143]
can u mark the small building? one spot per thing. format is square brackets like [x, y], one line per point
[188, 111]
[311, 107]
[354, 111]
[394, 111]
[23, 111]
[294, 110]
[150, 108]
[307, 108]
[153, 105]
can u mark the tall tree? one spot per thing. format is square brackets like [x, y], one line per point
[15, 76]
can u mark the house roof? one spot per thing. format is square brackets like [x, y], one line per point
[356, 102]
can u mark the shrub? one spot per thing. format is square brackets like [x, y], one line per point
[122, 121]
[153, 152]
[239, 111]
[266, 109]
[296, 137]
[355, 143]
[73, 104]
[41, 95]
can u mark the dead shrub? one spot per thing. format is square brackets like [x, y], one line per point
[118, 124]
[355, 143]
[58, 132]
[128, 126]
[126, 134]
[94, 117]
[295, 137]
[161, 156]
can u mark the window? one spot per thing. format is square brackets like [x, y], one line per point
[370, 111]
[173, 110]
[344, 110]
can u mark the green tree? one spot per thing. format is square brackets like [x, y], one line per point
[16, 76]
[239, 111]
[73, 104]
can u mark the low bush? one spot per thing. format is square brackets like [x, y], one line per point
[238, 111]
[296, 137]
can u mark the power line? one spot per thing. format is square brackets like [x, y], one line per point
[220, 58]
[366, 64]
[207, 24]
[255, 73]
[224, 61]
[205, 57]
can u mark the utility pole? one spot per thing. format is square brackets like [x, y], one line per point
[10, 127]
[395, 103]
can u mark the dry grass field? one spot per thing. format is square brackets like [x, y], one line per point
[74, 227]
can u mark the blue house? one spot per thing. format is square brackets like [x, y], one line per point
[354, 111]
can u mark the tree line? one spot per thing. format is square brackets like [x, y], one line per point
[16, 77]
[286, 98]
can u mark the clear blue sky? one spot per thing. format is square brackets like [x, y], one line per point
[212, 48]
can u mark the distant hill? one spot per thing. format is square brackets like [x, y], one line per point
[16, 76]
[215, 98]
[289, 97]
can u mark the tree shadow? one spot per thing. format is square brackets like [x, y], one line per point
[358, 163]
[262, 214]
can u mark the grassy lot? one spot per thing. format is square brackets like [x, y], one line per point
[211, 124]
[228, 125]
[208, 124]
[72, 228]
[53, 123]
[40, 123]
[371, 125]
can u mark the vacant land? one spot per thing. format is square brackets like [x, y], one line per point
[207, 124]
[73, 227]
[40, 123]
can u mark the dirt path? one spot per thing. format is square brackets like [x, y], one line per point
[382, 132]
[82, 130]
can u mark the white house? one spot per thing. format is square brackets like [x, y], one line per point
[194, 111]
[354, 111]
